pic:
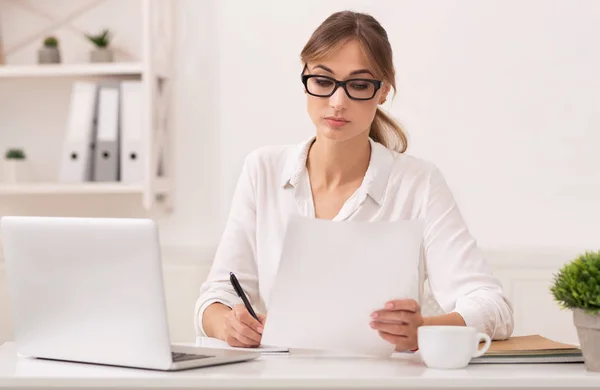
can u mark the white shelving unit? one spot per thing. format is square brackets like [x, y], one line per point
[70, 189]
[161, 188]
[72, 70]
[154, 70]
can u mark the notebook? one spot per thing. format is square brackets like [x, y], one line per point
[530, 349]
[210, 342]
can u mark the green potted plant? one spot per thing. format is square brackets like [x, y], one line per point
[101, 41]
[49, 53]
[577, 287]
[14, 165]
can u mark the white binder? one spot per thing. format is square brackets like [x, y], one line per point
[106, 163]
[132, 133]
[78, 146]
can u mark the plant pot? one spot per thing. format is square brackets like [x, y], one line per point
[101, 55]
[15, 171]
[49, 55]
[588, 332]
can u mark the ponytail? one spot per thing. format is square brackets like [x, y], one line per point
[388, 132]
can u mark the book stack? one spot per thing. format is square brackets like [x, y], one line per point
[530, 349]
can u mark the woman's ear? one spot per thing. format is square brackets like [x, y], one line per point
[384, 92]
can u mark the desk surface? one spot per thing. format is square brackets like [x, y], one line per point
[291, 371]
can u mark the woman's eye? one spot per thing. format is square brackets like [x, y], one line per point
[359, 86]
[324, 82]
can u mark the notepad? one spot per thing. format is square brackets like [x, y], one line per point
[210, 342]
[530, 349]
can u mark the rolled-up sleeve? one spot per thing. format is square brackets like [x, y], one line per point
[236, 252]
[459, 276]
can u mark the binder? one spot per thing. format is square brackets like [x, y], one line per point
[132, 132]
[1, 46]
[106, 163]
[78, 147]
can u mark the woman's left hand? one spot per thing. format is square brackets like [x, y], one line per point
[397, 323]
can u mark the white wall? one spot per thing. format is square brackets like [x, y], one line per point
[502, 95]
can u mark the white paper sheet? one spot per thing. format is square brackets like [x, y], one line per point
[333, 275]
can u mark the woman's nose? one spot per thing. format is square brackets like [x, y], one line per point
[339, 99]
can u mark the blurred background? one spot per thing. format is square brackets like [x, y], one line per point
[502, 95]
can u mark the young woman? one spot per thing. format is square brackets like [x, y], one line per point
[354, 168]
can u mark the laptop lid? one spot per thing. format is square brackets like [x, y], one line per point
[87, 289]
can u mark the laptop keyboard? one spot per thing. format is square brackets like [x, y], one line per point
[180, 356]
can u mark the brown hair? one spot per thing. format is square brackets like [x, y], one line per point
[343, 26]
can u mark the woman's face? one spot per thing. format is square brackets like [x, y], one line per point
[338, 117]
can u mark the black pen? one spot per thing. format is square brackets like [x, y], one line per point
[241, 294]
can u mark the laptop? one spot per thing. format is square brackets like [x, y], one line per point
[91, 290]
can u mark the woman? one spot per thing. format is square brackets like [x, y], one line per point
[353, 169]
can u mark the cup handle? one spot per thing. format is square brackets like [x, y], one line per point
[486, 346]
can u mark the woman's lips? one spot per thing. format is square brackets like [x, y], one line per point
[336, 122]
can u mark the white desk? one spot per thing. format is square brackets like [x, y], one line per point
[295, 372]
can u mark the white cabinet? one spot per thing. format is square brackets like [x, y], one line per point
[34, 98]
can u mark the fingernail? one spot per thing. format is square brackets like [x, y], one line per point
[389, 305]
[374, 315]
[260, 329]
[372, 324]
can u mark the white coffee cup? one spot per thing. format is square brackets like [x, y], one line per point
[450, 346]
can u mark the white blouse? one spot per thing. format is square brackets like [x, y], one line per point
[274, 184]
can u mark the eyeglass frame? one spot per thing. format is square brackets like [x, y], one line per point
[376, 83]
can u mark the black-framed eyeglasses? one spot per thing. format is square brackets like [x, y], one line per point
[325, 86]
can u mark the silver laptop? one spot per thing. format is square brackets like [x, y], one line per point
[91, 290]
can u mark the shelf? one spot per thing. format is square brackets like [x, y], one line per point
[146, 55]
[70, 188]
[71, 70]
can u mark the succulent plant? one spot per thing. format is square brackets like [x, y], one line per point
[15, 154]
[577, 284]
[101, 40]
[51, 42]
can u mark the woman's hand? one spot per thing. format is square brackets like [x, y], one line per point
[397, 323]
[241, 329]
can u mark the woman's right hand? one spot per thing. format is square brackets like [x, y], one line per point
[241, 329]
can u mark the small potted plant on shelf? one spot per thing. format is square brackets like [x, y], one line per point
[102, 53]
[49, 53]
[577, 287]
[14, 165]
